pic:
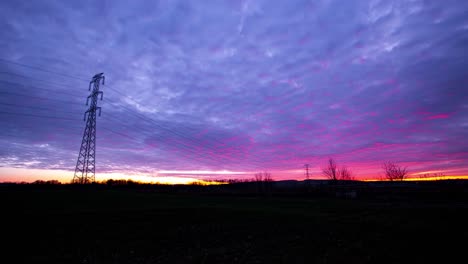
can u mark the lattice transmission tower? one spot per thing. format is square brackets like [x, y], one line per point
[306, 166]
[86, 164]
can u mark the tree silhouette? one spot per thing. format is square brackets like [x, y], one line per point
[345, 174]
[331, 171]
[258, 177]
[334, 173]
[394, 172]
[264, 181]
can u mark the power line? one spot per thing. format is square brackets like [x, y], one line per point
[17, 126]
[36, 108]
[36, 79]
[45, 116]
[183, 134]
[41, 69]
[41, 98]
[185, 146]
[52, 117]
[151, 121]
[210, 155]
[21, 85]
[180, 144]
[39, 116]
[179, 134]
[115, 90]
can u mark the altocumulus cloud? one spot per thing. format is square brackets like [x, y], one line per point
[237, 85]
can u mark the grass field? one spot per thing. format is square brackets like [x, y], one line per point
[129, 226]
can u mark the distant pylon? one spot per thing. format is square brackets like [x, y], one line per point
[86, 164]
[306, 166]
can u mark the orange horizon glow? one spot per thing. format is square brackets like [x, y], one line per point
[188, 176]
[434, 178]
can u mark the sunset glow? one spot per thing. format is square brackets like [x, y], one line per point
[203, 91]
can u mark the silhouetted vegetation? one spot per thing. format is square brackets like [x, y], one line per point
[112, 182]
[50, 182]
[434, 176]
[332, 172]
[345, 174]
[394, 172]
[264, 182]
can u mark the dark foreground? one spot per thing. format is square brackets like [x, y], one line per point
[62, 225]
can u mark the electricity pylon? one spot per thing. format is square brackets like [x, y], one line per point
[306, 166]
[86, 164]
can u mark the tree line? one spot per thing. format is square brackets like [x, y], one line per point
[392, 171]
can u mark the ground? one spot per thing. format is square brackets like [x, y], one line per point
[135, 226]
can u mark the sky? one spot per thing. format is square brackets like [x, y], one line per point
[224, 89]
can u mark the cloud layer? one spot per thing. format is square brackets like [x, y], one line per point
[237, 85]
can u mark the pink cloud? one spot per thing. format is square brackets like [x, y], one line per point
[439, 116]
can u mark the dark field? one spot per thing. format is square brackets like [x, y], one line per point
[133, 226]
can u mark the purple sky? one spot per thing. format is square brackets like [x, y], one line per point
[240, 86]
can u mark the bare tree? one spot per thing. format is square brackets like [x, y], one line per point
[440, 175]
[263, 177]
[435, 175]
[334, 173]
[345, 174]
[258, 177]
[267, 177]
[331, 171]
[394, 172]
[264, 182]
